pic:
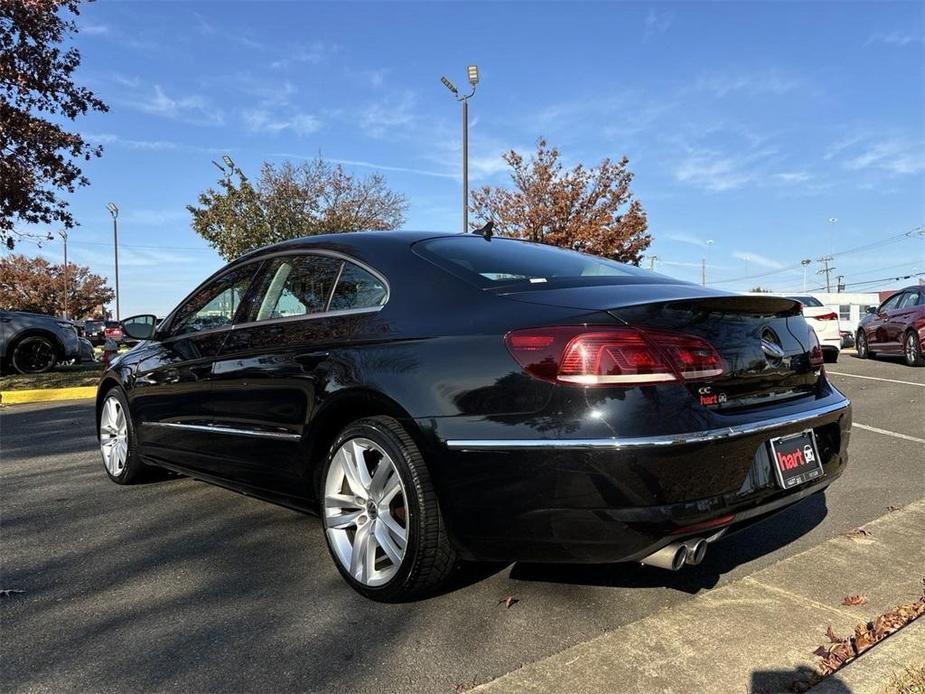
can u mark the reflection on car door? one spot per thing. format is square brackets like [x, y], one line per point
[170, 394]
[277, 366]
[900, 318]
[878, 331]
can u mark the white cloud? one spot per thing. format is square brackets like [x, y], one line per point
[791, 177]
[657, 22]
[894, 156]
[313, 53]
[110, 139]
[263, 121]
[389, 114]
[193, 109]
[894, 38]
[761, 260]
[682, 237]
[713, 171]
[93, 29]
[771, 82]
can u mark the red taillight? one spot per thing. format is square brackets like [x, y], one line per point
[589, 355]
[816, 358]
[826, 316]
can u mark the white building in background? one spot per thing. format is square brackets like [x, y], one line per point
[849, 306]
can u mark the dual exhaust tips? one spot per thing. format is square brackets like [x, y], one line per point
[677, 554]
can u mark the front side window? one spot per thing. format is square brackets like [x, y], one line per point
[215, 304]
[909, 300]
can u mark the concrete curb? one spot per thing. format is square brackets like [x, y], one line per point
[871, 671]
[21, 397]
[757, 634]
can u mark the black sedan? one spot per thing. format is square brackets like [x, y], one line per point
[438, 398]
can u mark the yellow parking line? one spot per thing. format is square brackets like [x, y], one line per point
[888, 433]
[874, 378]
[20, 397]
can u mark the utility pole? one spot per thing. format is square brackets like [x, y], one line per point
[652, 259]
[472, 72]
[840, 284]
[826, 271]
[703, 264]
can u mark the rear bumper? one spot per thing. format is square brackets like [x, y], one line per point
[619, 499]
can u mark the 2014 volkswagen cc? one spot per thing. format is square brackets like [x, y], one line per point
[438, 398]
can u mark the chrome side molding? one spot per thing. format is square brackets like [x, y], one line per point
[218, 429]
[649, 441]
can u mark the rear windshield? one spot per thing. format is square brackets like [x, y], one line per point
[500, 262]
[806, 300]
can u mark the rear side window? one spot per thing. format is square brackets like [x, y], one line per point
[807, 300]
[303, 285]
[909, 299]
[497, 262]
[357, 288]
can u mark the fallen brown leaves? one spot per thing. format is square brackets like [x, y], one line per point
[845, 648]
[510, 601]
[852, 600]
[859, 532]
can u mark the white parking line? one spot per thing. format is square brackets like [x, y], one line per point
[888, 433]
[874, 378]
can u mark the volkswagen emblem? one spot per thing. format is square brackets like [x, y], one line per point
[770, 345]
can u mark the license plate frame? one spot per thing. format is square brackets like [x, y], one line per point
[790, 450]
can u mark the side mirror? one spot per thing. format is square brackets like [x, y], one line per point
[140, 327]
[872, 309]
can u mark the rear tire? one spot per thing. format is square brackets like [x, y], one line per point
[912, 349]
[862, 347]
[34, 354]
[381, 517]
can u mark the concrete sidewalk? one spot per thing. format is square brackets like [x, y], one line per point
[755, 635]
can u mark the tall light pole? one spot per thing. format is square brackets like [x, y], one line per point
[63, 233]
[804, 263]
[703, 264]
[473, 75]
[114, 211]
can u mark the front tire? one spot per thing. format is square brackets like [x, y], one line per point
[34, 354]
[381, 516]
[118, 444]
[912, 349]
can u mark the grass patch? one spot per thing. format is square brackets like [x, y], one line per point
[60, 377]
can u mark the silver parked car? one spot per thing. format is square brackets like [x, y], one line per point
[33, 342]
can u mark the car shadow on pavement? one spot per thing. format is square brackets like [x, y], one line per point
[747, 545]
[797, 680]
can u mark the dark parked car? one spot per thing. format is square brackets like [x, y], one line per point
[98, 331]
[438, 398]
[35, 342]
[896, 327]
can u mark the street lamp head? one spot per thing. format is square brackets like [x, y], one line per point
[710, 242]
[473, 72]
[228, 162]
[113, 209]
[805, 261]
[449, 85]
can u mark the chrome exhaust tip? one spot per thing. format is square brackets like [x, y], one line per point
[696, 551]
[671, 557]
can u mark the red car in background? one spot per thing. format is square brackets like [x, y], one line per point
[896, 327]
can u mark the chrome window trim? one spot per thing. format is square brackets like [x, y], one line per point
[617, 444]
[307, 316]
[218, 429]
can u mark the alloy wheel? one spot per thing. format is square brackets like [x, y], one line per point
[113, 436]
[862, 345]
[34, 355]
[911, 351]
[366, 512]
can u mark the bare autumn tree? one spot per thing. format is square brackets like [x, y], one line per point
[290, 201]
[34, 284]
[38, 157]
[587, 208]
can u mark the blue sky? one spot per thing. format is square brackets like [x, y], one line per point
[748, 124]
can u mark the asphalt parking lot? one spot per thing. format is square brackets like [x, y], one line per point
[182, 585]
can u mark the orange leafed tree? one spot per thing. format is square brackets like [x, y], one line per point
[589, 209]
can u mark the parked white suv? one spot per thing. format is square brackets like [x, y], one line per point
[825, 322]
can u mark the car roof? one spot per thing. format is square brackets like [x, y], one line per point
[360, 240]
